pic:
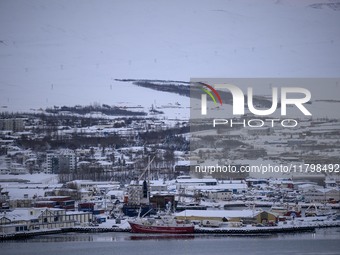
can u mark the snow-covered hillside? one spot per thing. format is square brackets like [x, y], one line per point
[62, 52]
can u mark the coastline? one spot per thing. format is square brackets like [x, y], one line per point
[293, 227]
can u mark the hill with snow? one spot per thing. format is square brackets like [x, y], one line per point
[71, 52]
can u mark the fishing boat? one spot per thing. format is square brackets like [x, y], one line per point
[323, 210]
[161, 224]
[287, 210]
[166, 224]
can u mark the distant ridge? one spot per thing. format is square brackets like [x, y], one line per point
[182, 88]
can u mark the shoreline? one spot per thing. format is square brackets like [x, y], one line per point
[240, 231]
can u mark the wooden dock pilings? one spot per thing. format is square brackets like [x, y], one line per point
[28, 234]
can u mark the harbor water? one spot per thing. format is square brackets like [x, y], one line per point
[322, 241]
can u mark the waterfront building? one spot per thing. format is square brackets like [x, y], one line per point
[26, 219]
[244, 216]
[322, 195]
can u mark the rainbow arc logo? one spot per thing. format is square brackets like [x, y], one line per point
[211, 92]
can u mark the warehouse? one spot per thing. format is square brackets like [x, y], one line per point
[245, 216]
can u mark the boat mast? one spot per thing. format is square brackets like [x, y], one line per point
[147, 169]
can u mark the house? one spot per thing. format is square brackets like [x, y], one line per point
[17, 168]
[322, 195]
[224, 195]
[252, 182]
[222, 191]
[162, 202]
[156, 186]
[182, 167]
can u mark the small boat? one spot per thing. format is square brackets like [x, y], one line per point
[293, 211]
[281, 210]
[165, 224]
[323, 210]
[287, 210]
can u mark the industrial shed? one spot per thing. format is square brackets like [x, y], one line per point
[245, 216]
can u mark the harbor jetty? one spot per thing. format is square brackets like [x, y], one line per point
[289, 227]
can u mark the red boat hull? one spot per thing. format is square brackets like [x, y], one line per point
[140, 228]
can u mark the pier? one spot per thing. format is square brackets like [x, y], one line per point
[293, 227]
[251, 231]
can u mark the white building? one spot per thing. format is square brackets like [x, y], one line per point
[25, 219]
[63, 161]
[322, 195]
[222, 195]
[17, 168]
[13, 124]
[183, 183]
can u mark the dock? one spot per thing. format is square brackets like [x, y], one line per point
[293, 227]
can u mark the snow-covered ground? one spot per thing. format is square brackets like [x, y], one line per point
[35, 185]
[32, 178]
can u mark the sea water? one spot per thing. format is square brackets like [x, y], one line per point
[322, 241]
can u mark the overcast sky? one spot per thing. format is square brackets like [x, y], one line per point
[68, 52]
